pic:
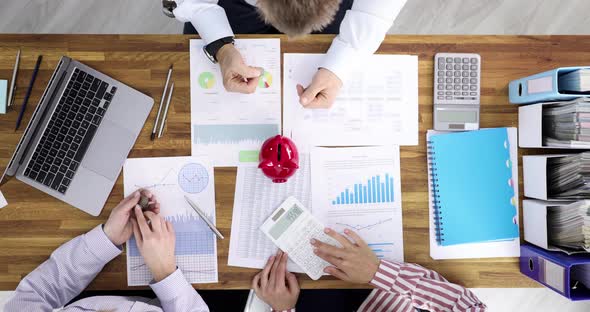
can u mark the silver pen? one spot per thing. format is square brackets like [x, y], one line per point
[204, 217]
[166, 111]
[153, 136]
[10, 99]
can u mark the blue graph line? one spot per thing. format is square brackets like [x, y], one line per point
[193, 237]
[359, 227]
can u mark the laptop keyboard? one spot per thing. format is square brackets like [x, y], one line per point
[70, 131]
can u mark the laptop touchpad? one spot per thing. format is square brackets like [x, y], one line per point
[108, 150]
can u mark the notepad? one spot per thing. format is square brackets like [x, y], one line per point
[472, 187]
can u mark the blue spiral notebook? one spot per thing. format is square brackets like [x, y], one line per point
[472, 190]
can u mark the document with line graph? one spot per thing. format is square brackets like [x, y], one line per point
[170, 179]
[359, 188]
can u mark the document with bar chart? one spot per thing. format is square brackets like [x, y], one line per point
[359, 188]
[170, 179]
[226, 126]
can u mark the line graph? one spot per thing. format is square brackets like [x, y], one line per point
[160, 183]
[360, 227]
[170, 179]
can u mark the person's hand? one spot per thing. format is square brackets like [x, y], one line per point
[237, 76]
[118, 227]
[322, 91]
[275, 286]
[355, 262]
[155, 241]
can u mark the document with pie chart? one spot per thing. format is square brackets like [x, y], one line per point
[228, 126]
[170, 179]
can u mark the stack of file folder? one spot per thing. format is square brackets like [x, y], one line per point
[569, 226]
[559, 84]
[577, 81]
[567, 124]
[581, 274]
[568, 177]
[567, 275]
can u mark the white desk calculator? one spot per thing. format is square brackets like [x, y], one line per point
[457, 84]
[291, 227]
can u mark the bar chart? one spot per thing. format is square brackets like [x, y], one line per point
[377, 189]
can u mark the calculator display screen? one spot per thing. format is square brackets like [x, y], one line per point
[285, 221]
[456, 116]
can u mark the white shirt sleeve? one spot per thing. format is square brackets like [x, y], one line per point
[361, 32]
[207, 17]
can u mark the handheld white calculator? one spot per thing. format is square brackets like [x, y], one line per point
[457, 84]
[291, 227]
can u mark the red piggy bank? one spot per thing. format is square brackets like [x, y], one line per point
[279, 158]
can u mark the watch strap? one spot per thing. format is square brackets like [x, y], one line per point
[214, 47]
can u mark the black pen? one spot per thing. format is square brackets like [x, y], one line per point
[29, 90]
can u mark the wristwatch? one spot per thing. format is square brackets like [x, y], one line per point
[212, 48]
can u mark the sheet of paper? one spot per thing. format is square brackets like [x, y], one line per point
[359, 188]
[255, 199]
[225, 125]
[508, 248]
[378, 105]
[170, 179]
[3, 202]
[3, 96]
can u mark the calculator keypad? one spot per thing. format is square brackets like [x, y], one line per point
[457, 79]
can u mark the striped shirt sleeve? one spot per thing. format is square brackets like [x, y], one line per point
[409, 286]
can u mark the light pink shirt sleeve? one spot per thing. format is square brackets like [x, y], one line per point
[407, 286]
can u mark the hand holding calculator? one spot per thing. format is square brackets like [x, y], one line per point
[291, 227]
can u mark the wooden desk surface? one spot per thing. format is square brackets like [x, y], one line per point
[34, 224]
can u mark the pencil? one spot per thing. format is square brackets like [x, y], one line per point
[153, 136]
[166, 110]
[13, 82]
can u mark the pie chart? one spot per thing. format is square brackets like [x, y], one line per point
[206, 80]
[265, 81]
